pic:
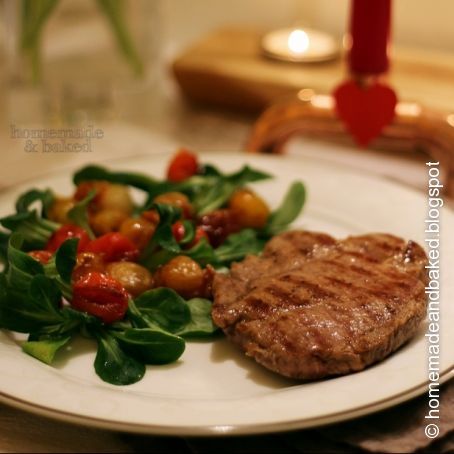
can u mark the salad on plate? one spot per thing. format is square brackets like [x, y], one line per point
[134, 276]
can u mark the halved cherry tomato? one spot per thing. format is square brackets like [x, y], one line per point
[199, 234]
[42, 256]
[182, 166]
[114, 247]
[100, 295]
[178, 231]
[66, 232]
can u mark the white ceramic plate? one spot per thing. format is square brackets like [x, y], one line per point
[214, 389]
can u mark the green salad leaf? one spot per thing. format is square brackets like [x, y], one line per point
[25, 200]
[31, 222]
[239, 245]
[21, 267]
[288, 211]
[94, 172]
[34, 229]
[61, 265]
[160, 307]
[4, 237]
[112, 364]
[164, 309]
[201, 323]
[207, 191]
[79, 216]
[151, 346]
[223, 186]
[45, 350]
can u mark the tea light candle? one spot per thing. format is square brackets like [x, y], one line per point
[299, 45]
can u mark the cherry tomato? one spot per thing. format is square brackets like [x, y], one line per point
[113, 247]
[250, 209]
[42, 256]
[134, 278]
[66, 232]
[199, 234]
[87, 262]
[183, 275]
[178, 231]
[182, 166]
[138, 230]
[100, 295]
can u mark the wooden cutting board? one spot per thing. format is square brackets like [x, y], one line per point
[227, 69]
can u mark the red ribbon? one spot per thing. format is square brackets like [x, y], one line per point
[369, 33]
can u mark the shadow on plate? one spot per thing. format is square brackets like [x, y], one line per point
[222, 350]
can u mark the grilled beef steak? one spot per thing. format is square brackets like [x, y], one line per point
[311, 306]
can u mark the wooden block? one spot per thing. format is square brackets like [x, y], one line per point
[227, 69]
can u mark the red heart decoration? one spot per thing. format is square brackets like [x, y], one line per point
[365, 110]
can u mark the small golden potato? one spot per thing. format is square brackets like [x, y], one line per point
[250, 210]
[108, 220]
[108, 196]
[133, 277]
[183, 275]
[116, 197]
[176, 199]
[58, 211]
[138, 230]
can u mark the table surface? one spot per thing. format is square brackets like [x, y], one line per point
[203, 130]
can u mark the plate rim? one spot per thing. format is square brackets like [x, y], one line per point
[223, 430]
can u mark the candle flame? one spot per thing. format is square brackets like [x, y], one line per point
[298, 42]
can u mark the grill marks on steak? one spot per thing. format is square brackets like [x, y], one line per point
[312, 306]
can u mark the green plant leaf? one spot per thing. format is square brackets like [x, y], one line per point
[223, 186]
[137, 180]
[29, 312]
[201, 323]
[45, 350]
[207, 191]
[288, 211]
[34, 229]
[4, 238]
[238, 245]
[25, 200]
[161, 307]
[22, 267]
[66, 258]
[79, 216]
[163, 236]
[112, 364]
[189, 232]
[61, 265]
[151, 346]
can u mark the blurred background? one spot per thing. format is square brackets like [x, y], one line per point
[101, 63]
[416, 23]
[191, 71]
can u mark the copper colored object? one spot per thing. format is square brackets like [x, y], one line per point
[414, 128]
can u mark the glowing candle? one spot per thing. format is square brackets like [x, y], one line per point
[299, 45]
